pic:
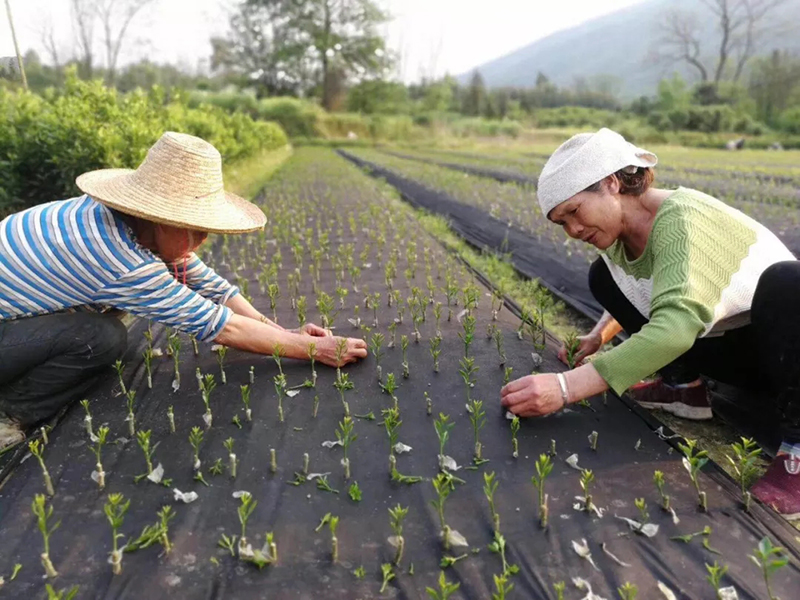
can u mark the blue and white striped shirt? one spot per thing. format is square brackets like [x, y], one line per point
[79, 254]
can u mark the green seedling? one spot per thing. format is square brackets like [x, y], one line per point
[195, 349]
[498, 342]
[428, 404]
[507, 374]
[468, 333]
[346, 437]
[435, 351]
[693, 461]
[571, 344]
[641, 505]
[43, 514]
[115, 510]
[559, 587]
[312, 355]
[148, 356]
[322, 484]
[280, 390]
[274, 292]
[658, 480]
[221, 352]
[154, 534]
[477, 417]
[343, 383]
[392, 422]
[246, 401]
[232, 461]
[390, 387]
[273, 460]
[448, 561]
[499, 547]
[489, 489]
[97, 448]
[514, 431]
[392, 334]
[544, 466]
[130, 396]
[744, 462]
[769, 559]
[715, 575]
[593, 440]
[443, 427]
[198, 476]
[143, 438]
[119, 367]
[207, 386]
[174, 344]
[396, 516]
[65, 594]
[333, 524]
[277, 355]
[502, 587]
[443, 485]
[216, 468]
[301, 306]
[325, 308]
[587, 478]
[37, 449]
[171, 419]
[628, 591]
[376, 347]
[387, 574]
[354, 492]
[468, 371]
[246, 507]
[404, 348]
[87, 420]
[437, 316]
[398, 477]
[195, 439]
[446, 589]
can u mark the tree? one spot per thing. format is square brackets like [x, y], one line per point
[378, 97]
[83, 22]
[337, 38]
[774, 83]
[115, 18]
[474, 101]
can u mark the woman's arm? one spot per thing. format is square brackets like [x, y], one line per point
[240, 305]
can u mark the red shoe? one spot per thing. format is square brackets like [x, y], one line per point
[779, 488]
[689, 401]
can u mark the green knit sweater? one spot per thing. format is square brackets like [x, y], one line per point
[695, 278]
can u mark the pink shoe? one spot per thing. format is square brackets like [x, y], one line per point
[689, 401]
[779, 488]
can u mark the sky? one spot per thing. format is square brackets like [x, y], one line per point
[431, 37]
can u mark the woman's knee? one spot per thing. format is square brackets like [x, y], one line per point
[778, 288]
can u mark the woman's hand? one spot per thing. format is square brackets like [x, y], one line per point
[326, 350]
[532, 395]
[588, 345]
[311, 329]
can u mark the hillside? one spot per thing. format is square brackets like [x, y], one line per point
[619, 44]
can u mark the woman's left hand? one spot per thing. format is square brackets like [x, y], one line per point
[532, 395]
[311, 329]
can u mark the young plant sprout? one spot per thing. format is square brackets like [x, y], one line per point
[503, 587]
[315, 407]
[436, 350]
[280, 390]
[325, 308]
[715, 575]
[743, 461]
[195, 439]
[246, 507]
[544, 465]
[396, 516]
[446, 589]
[437, 315]
[346, 437]
[193, 339]
[769, 559]
[507, 374]
[252, 375]
[467, 371]
[42, 515]
[658, 480]
[514, 431]
[443, 427]
[693, 461]
[119, 367]
[148, 356]
[273, 460]
[468, 333]
[428, 404]
[99, 442]
[641, 504]
[207, 386]
[175, 350]
[375, 302]
[571, 343]
[392, 334]
[499, 546]
[498, 342]
[477, 417]
[587, 477]
[312, 355]
[392, 422]
[333, 524]
[375, 346]
[277, 355]
[199, 377]
[593, 440]
[154, 534]
[343, 383]
[143, 438]
[221, 352]
[87, 420]
[559, 588]
[628, 591]
[130, 396]
[404, 348]
[36, 449]
[246, 401]
[489, 489]
[443, 485]
[231, 457]
[301, 305]
[115, 510]
[354, 492]
[274, 292]
[387, 574]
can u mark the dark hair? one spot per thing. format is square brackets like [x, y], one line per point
[630, 184]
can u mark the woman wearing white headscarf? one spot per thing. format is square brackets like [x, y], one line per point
[700, 287]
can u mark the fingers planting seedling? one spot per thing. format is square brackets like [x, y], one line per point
[43, 514]
[544, 466]
[769, 559]
[693, 461]
[115, 510]
[37, 449]
[744, 463]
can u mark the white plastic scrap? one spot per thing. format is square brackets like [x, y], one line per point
[157, 474]
[394, 541]
[612, 557]
[582, 584]
[311, 476]
[216, 347]
[331, 443]
[582, 550]
[509, 415]
[580, 505]
[185, 498]
[728, 593]
[448, 462]
[456, 539]
[96, 475]
[158, 352]
[400, 447]
[668, 593]
[461, 315]
[176, 385]
[663, 436]
[648, 529]
[240, 493]
[572, 461]
[207, 417]
[537, 360]
[675, 519]
[292, 393]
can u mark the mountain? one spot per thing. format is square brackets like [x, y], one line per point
[622, 44]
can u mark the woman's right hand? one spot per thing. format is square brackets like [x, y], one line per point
[587, 345]
[326, 350]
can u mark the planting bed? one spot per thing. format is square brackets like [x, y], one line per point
[340, 229]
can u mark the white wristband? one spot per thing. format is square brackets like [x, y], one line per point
[562, 382]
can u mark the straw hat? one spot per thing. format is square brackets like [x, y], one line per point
[583, 160]
[179, 183]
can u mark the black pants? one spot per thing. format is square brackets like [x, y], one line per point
[49, 361]
[763, 356]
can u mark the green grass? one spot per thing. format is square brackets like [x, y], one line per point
[247, 177]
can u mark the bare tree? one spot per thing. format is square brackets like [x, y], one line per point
[47, 37]
[115, 18]
[680, 41]
[83, 17]
[755, 30]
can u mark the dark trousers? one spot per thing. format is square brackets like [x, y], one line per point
[763, 356]
[49, 361]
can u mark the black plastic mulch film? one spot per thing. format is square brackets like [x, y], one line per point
[80, 547]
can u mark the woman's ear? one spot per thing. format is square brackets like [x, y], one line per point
[611, 184]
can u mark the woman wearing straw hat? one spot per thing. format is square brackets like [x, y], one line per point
[127, 244]
[698, 286]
